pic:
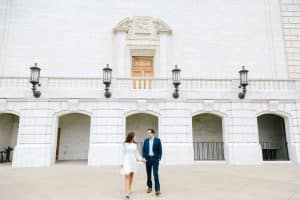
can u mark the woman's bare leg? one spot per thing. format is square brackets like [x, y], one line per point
[127, 184]
[130, 182]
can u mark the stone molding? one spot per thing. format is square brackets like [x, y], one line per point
[142, 25]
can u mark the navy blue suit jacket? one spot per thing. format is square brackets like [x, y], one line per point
[157, 148]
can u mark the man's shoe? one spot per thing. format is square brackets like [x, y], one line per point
[158, 193]
[149, 190]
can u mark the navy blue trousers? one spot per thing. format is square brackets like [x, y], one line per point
[152, 163]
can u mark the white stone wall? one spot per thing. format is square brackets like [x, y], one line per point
[290, 11]
[176, 132]
[35, 133]
[36, 146]
[5, 13]
[243, 142]
[210, 39]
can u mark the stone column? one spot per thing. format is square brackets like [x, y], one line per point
[175, 134]
[107, 134]
[243, 144]
[35, 136]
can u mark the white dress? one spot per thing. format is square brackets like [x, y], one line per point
[130, 157]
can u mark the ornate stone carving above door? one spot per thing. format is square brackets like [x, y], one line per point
[141, 27]
[141, 36]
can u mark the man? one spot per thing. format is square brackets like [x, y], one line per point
[152, 152]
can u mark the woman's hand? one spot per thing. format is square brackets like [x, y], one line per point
[143, 161]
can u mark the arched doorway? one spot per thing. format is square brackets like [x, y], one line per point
[208, 137]
[9, 128]
[272, 137]
[139, 123]
[73, 137]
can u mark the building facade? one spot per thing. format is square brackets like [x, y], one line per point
[142, 41]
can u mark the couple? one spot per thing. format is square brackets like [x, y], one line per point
[152, 152]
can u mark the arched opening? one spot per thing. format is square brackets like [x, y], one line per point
[73, 137]
[9, 128]
[139, 123]
[208, 137]
[272, 137]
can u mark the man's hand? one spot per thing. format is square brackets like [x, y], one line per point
[144, 161]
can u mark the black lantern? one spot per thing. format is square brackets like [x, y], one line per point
[35, 79]
[107, 80]
[176, 81]
[243, 82]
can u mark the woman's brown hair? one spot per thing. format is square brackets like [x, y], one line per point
[130, 138]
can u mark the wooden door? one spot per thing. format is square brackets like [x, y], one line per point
[142, 71]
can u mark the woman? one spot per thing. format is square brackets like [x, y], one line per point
[130, 156]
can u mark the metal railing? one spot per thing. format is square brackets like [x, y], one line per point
[273, 151]
[202, 150]
[208, 150]
[6, 154]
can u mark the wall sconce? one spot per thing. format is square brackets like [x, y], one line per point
[243, 82]
[107, 80]
[176, 81]
[35, 79]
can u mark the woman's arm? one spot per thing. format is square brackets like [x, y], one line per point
[144, 149]
[123, 152]
[137, 155]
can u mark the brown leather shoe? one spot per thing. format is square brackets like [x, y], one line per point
[149, 190]
[157, 193]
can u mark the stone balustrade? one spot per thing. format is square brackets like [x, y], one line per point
[209, 87]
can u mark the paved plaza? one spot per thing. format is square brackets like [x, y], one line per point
[77, 181]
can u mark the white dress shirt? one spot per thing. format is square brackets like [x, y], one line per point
[151, 140]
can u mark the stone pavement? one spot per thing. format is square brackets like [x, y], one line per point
[76, 181]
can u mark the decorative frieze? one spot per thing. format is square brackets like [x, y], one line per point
[140, 27]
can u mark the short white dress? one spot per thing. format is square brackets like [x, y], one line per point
[130, 157]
